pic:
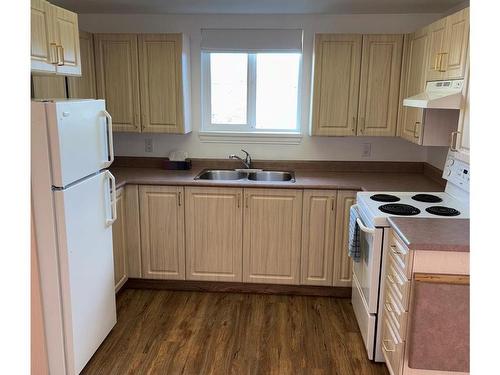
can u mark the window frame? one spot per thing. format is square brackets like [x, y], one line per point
[250, 126]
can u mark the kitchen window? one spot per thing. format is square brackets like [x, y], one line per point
[251, 81]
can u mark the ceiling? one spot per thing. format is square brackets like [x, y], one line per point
[259, 6]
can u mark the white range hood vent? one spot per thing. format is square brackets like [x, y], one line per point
[438, 95]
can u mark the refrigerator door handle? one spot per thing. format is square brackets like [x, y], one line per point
[113, 199]
[109, 139]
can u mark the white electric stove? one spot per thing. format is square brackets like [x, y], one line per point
[374, 209]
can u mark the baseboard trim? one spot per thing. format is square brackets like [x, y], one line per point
[235, 287]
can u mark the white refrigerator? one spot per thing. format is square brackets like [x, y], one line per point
[73, 207]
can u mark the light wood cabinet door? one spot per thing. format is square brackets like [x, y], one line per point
[68, 42]
[272, 236]
[43, 43]
[117, 79]
[84, 87]
[119, 241]
[412, 83]
[448, 49]
[379, 86]
[214, 224]
[342, 264]
[162, 85]
[456, 45]
[437, 35]
[162, 232]
[48, 87]
[337, 61]
[318, 234]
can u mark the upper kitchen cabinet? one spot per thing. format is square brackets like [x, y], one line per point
[164, 83]
[68, 42]
[413, 82]
[448, 47]
[55, 46]
[379, 86]
[337, 61]
[43, 46]
[145, 81]
[84, 87]
[117, 79]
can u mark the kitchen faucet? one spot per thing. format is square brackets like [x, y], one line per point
[247, 161]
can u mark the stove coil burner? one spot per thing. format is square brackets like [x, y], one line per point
[399, 209]
[384, 198]
[427, 198]
[442, 211]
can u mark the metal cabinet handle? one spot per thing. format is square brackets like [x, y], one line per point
[441, 68]
[436, 61]
[239, 201]
[416, 134]
[388, 307]
[53, 53]
[353, 128]
[362, 125]
[453, 141]
[60, 55]
[395, 250]
[179, 198]
[384, 346]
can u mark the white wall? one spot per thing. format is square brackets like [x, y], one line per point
[313, 148]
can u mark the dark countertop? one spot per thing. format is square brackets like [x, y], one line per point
[368, 181]
[432, 233]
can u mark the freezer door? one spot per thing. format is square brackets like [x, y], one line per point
[84, 215]
[80, 139]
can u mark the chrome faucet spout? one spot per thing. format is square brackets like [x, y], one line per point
[247, 162]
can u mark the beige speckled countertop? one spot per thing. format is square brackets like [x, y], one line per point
[368, 181]
[432, 233]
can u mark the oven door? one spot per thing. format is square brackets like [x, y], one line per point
[367, 270]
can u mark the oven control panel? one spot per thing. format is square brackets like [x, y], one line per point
[457, 172]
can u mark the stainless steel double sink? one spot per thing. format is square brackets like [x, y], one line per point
[241, 174]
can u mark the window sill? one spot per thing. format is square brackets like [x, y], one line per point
[246, 138]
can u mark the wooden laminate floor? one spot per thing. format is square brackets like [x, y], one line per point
[172, 332]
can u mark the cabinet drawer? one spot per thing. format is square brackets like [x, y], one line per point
[392, 347]
[398, 283]
[402, 256]
[396, 314]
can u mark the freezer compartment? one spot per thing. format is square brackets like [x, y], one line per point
[80, 139]
[84, 214]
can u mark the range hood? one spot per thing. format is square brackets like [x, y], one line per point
[438, 95]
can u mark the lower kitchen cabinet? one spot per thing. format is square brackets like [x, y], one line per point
[119, 241]
[342, 264]
[272, 236]
[214, 225]
[162, 232]
[318, 235]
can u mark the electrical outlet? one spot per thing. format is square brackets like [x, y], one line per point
[148, 145]
[367, 150]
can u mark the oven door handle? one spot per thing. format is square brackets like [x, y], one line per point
[361, 225]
